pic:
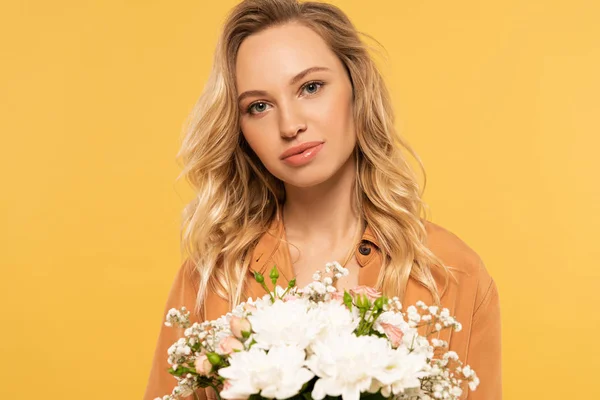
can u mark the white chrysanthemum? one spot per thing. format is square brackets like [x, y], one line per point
[283, 323]
[333, 318]
[401, 370]
[278, 373]
[345, 364]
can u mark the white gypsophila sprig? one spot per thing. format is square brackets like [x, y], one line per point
[185, 387]
[394, 305]
[435, 319]
[323, 286]
[447, 375]
[204, 337]
[177, 318]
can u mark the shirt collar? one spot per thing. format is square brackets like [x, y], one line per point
[271, 250]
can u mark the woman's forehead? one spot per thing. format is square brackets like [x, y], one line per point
[275, 55]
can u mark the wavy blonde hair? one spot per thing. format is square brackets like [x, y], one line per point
[237, 198]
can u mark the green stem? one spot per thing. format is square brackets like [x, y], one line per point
[374, 317]
[412, 344]
[216, 391]
[264, 285]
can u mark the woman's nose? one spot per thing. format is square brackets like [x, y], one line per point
[291, 123]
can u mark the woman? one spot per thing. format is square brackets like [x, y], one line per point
[295, 160]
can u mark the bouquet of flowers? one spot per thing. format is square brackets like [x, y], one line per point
[317, 342]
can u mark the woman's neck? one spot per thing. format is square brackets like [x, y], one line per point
[323, 212]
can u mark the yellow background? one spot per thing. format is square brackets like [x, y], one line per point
[500, 99]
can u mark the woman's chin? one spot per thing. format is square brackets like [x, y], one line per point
[307, 179]
[317, 174]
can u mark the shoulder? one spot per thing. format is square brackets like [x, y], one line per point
[452, 250]
[466, 267]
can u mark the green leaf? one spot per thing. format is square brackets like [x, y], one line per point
[347, 300]
[181, 370]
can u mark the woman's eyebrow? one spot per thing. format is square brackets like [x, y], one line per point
[307, 71]
[293, 81]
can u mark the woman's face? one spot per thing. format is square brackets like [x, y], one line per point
[294, 94]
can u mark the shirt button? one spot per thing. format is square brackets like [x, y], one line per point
[364, 249]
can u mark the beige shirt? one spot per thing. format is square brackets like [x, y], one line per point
[472, 298]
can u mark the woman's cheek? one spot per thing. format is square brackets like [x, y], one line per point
[263, 147]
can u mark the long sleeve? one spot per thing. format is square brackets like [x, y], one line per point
[183, 293]
[484, 351]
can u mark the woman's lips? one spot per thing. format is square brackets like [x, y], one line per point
[299, 149]
[304, 157]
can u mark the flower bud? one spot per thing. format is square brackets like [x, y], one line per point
[230, 344]
[202, 365]
[239, 326]
[214, 358]
[274, 275]
[362, 301]
[379, 303]
[259, 278]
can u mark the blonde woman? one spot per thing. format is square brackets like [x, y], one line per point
[293, 154]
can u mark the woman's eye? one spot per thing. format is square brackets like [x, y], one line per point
[258, 107]
[312, 87]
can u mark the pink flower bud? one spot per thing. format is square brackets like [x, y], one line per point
[202, 365]
[229, 344]
[239, 325]
[371, 293]
[393, 333]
